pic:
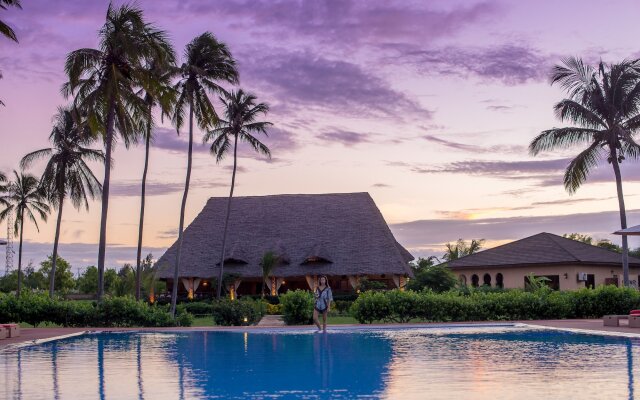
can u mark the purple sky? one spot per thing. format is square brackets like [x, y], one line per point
[427, 105]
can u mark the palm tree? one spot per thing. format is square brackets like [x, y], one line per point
[23, 196]
[5, 30]
[207, 61]
[603, 104]
[461, 249]
[158, 93]
[240, 123]
[269, 261]
[103, 81]
[66, 172]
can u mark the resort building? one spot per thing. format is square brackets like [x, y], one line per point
[567, 264]
[343, 236]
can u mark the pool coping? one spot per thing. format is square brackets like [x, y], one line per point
[332, 328]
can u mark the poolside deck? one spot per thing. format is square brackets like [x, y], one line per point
[31, 335]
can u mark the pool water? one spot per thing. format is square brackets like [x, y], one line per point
[426, 363]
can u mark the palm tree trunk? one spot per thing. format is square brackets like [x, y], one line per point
[52, 275]
[174, 291]
[20, 253]
[105, 198]
[623, 219]
[226, 220]
[142, 200]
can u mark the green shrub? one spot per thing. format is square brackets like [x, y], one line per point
[437, 278]
[274, 309]
[198, 308]
[371, 306]
[237, 312]
[184, 319]
[36, 308]
[402, 305]
[343, 306]
[297, 307]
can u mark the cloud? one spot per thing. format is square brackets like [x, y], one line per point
[346, 138]
[168, 234]
[427, 237]
[169, 140]
[511, 64]
[472, 148]
[381, 185]
[154, 188]
[347, 23]
[302, 80]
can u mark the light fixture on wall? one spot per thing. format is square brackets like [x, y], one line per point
[566, 275]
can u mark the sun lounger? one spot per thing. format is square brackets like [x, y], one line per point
[12, 330]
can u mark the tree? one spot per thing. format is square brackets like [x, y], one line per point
[422, 263]
[103, 82]
[269, 261]
[61, 273]
[206, 61]
[438, 278]
[579, 237]
[24, 197]
[158, 93]
[34, 280]
[126, 283]
[461, 249]
[5, 30]
[240, 111]
[87, 283]
[67, 173]
[603, 104]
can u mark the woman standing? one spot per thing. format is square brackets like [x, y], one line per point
[323, 297]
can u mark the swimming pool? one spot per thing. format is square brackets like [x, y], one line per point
[467, 362]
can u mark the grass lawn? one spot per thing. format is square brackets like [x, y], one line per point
[203, 321]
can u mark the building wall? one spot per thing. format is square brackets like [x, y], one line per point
[513, 277]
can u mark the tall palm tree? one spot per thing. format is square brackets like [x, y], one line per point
[158, 92]
[240, 111]
[5, 30]
[67, 172]
[24, 197]
[206, 61]
[103, 81]
[603, 104]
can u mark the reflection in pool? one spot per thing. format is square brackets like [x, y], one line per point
[434, 363]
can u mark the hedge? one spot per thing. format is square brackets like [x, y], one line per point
[398, 306]
[297, 307]
[35, 309]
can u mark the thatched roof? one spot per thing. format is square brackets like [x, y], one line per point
[543, 248]
[332, 234]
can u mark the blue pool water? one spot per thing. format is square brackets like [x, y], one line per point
[426, 363]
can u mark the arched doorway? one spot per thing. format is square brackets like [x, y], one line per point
[475, 280]
[462, 278]
[486, 280]
[499, 280]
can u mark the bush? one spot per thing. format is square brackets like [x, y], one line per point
[274, 309]
[297, 307]
[198, 308]
[481, 305]
[371, 306]
[35, 309]
[237, 312]
[343, 306]
[437, 278]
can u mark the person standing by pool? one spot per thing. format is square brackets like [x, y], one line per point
[323, 299]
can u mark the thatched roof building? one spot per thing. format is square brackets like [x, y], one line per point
[340, 235]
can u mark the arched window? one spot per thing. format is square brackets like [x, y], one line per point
[474, 280]
[486, 280]
[463, 279]
[499, 280]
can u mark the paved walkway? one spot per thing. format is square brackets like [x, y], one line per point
[30, 335]
[271, 320]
